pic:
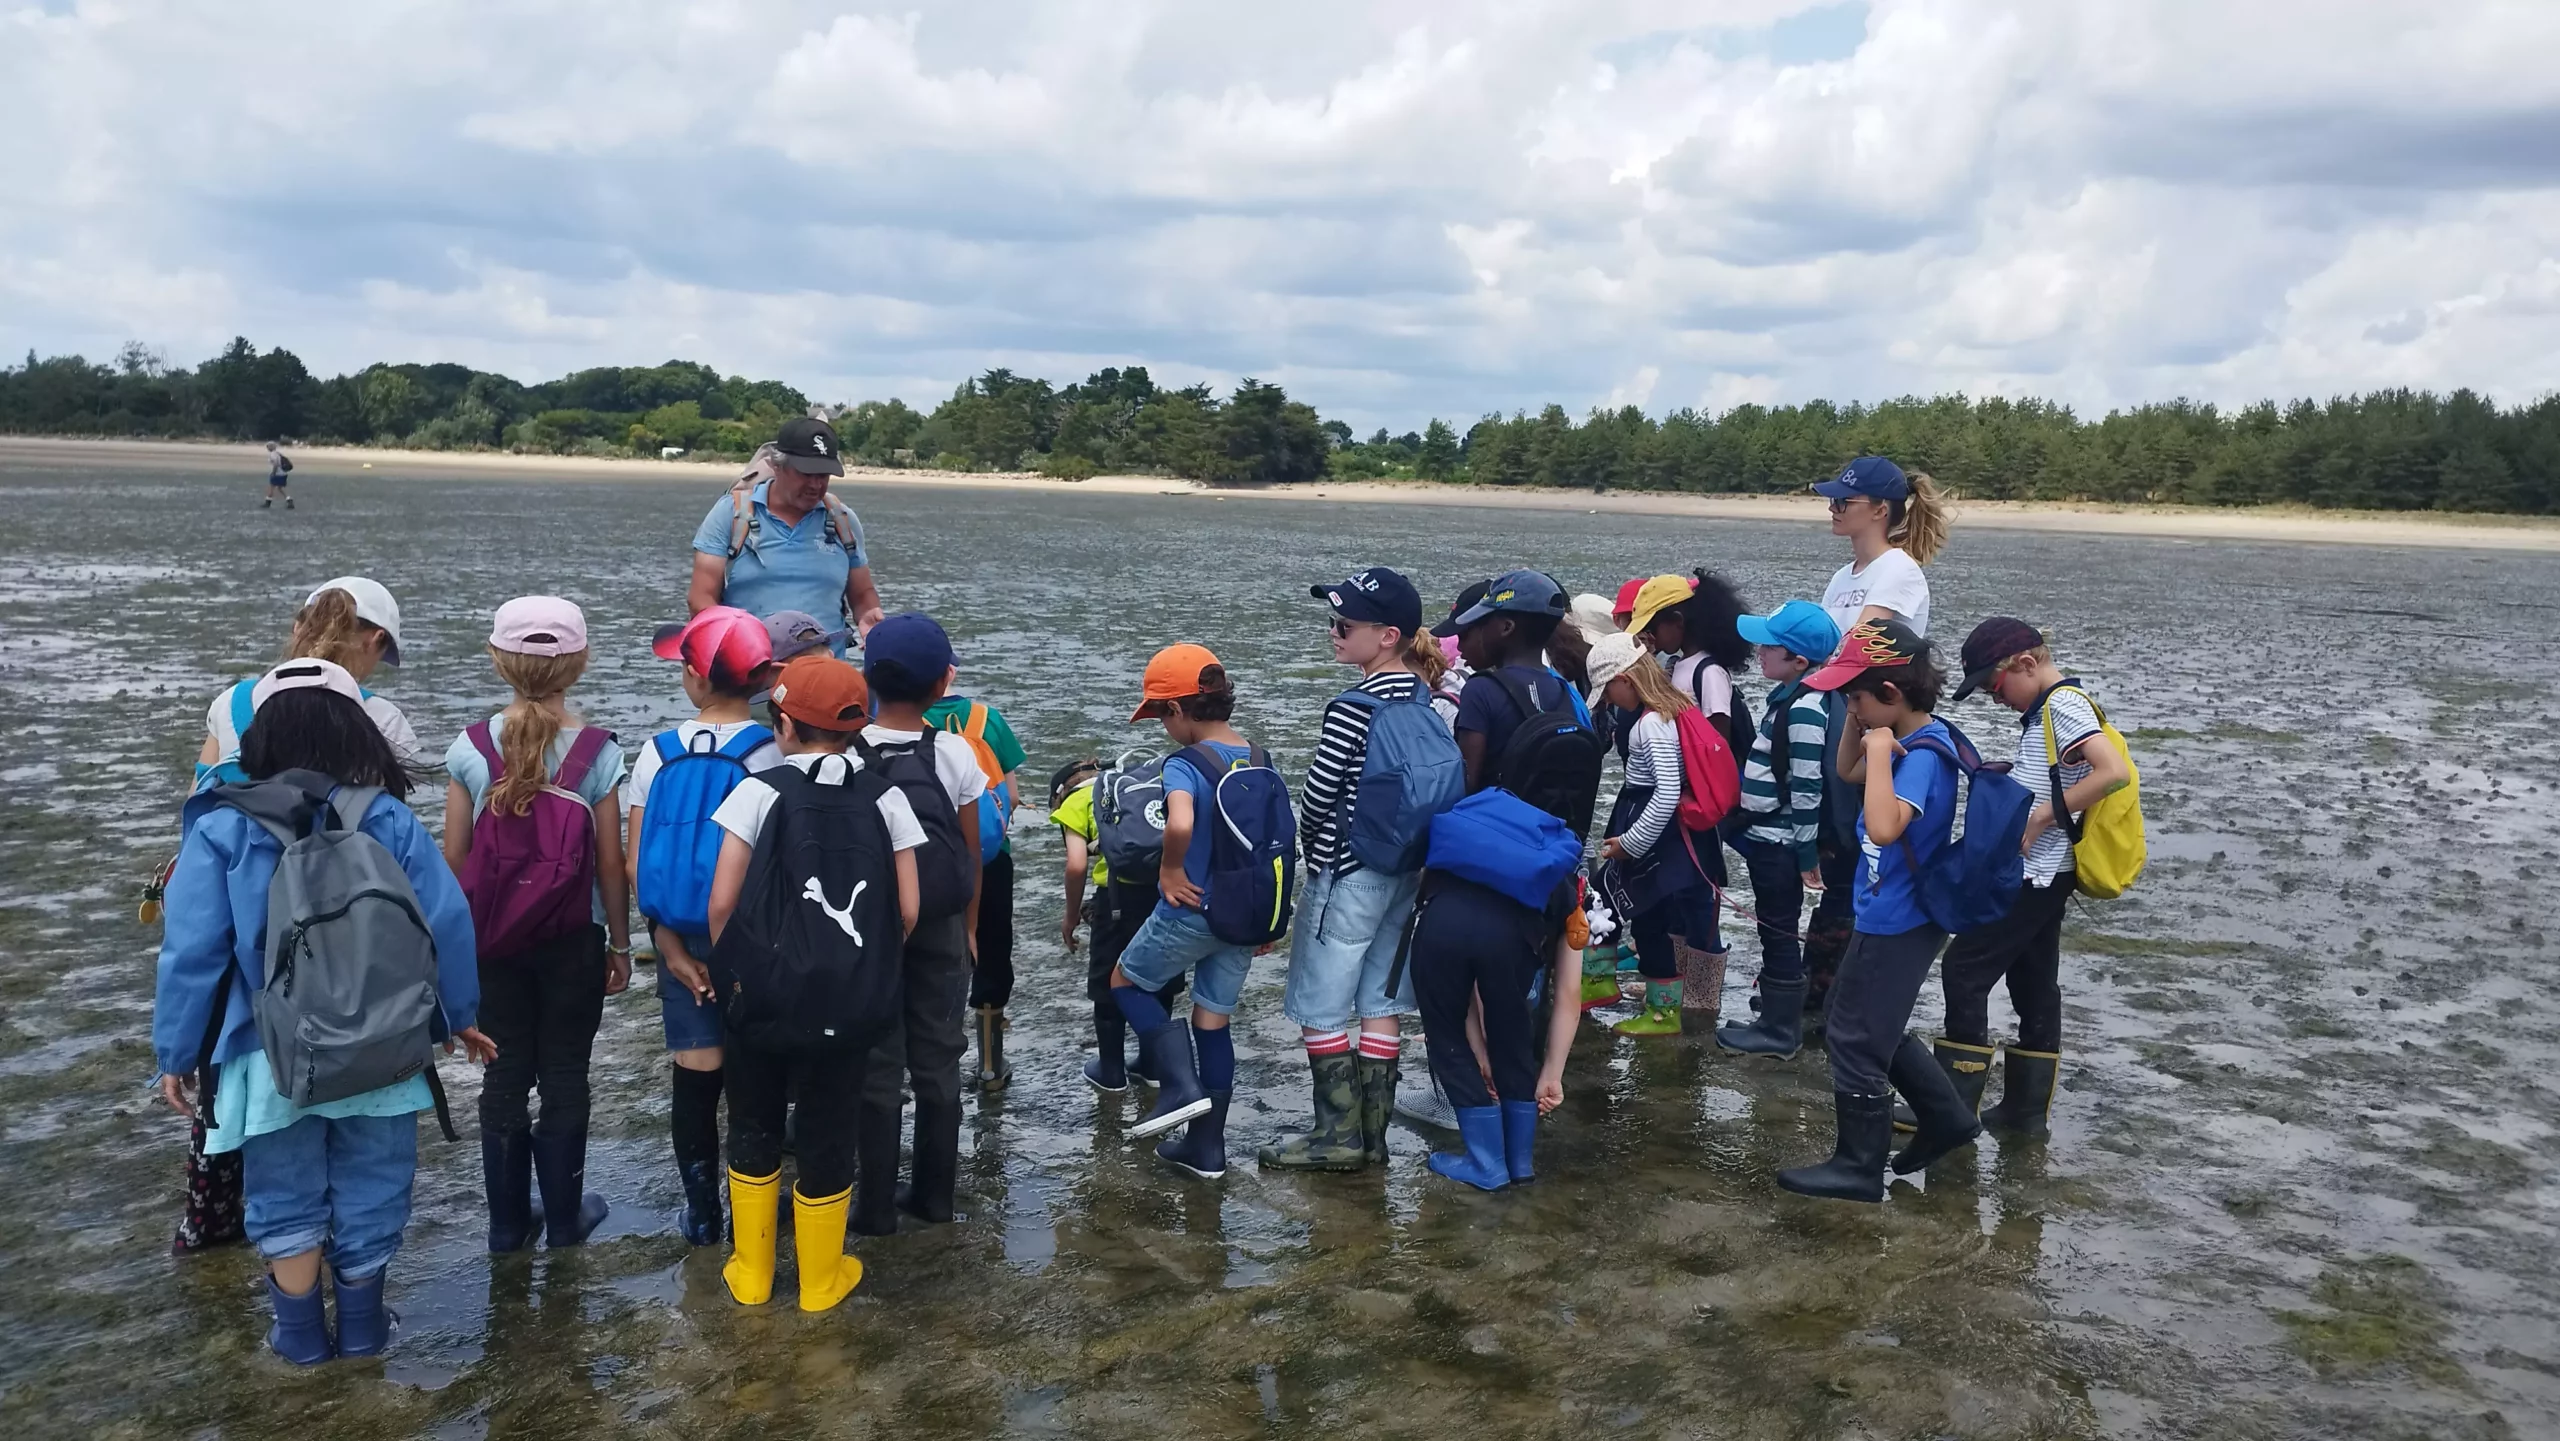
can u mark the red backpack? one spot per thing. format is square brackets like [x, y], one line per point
[1710, 782]
[532, 878]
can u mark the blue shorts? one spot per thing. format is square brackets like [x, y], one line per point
[1344, 944]
[1174, 941]
[691, 1023]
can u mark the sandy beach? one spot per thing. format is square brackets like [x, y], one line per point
[2266, 523]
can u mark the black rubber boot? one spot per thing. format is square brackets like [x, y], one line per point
[994, 1072]
[700, 1222]
[1179, 1094]
[570, 1212]
[1946, 1121]
[1855, 1171]
[1201, 1149]
[1967, 1066]
[2025, 1106]
[506, 1168]
[875, 1157]
[1779, 1028]
[1334, 1142]
[937, 1166]
[1108, 1071]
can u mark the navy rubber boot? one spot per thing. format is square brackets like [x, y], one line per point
[364, 1326]
[506, 1169]
[1483, 1164]
[700, 1221]
[1179, 1095]
[1779, 1029]
[1520, 1139]
[570, 1213]
[301, 1332]
[1201, 1149]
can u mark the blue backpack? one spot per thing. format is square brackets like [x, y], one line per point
[679, 846]
[1253, 847]
[1974, 878]
[1498, 840]
[1411, 773]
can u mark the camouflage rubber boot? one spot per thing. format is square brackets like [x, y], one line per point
[1334, 1143]
[1377, 1105]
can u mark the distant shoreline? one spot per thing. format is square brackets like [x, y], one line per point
[2288, 524]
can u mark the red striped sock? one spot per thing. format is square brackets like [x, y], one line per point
[1380, 1045]
[1329, 1043]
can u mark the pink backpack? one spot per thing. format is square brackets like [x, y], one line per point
[532, 878]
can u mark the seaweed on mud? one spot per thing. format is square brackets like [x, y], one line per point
[2381, 1311]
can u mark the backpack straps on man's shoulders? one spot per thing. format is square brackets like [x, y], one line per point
[582, 755]
[842, 524]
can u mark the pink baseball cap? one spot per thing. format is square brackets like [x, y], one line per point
[305, 675]
[723, 643]
[539, 625]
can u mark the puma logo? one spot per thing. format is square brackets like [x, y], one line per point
[814, 891]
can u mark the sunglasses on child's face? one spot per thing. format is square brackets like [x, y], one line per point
[1344, 629]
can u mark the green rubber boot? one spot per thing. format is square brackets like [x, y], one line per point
[1661, 1012]
[1599, 976]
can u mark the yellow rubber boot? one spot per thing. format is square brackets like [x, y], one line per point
[755, 1204]
[827, 1274]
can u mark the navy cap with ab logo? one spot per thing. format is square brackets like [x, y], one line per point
[1376, 596]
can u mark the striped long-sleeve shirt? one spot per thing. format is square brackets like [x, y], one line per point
[1797, 814]
[1333, 777]
[1653, 759]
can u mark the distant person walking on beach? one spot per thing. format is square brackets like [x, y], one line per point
[279, 465]
[778, 541]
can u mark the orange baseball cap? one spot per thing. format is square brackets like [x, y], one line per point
[1176, 673]
[819, 690]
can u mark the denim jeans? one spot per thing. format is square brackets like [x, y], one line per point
[1174, 941]
[340, 1181]
[1343, 946]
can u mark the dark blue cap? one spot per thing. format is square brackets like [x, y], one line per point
[1517, 592]
[911, 642]
[1376, 596]
[1871, 477]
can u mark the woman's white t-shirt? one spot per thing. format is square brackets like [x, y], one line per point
[1892, 580]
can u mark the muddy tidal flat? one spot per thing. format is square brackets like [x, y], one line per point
[2301, 1182]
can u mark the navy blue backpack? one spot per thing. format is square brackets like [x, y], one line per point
[1253, 847]
[1411, 772]
[1973, 880]
[679, 846]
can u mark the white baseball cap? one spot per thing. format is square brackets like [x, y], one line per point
[306, 674]
[1612, 656]
[374, 606]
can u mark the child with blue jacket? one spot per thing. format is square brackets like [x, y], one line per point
[336, 1175]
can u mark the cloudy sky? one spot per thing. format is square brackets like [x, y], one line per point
[1394, 209]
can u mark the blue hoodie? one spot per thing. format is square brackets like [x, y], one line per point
[217, 915]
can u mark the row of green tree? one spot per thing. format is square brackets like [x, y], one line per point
[2391, 449]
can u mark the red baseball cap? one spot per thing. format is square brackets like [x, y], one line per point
[723, 644]
[1626, 602]
[1869, 644]
[819, 690]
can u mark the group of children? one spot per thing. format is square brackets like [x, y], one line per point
[821, 862]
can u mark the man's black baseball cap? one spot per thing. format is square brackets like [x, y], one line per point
[809, 446]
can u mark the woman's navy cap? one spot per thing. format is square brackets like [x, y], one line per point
[1376, 596]
[1871, 477]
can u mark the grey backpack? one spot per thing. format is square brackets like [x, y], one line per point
[1128, 816]
[349, 1003]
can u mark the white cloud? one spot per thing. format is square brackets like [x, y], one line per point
[1397, 209]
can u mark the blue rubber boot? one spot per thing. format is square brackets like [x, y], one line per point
[1482, 1165]
[364, 1326]
[1179, 1095]
[1201, 1149]
[301, 1331]
[1519, 1139]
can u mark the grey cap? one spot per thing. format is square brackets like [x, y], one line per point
[1519, 592]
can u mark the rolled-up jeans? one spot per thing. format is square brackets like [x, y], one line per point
[339, 1181]
[1343, 946]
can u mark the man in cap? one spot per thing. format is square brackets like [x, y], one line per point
[779, 542]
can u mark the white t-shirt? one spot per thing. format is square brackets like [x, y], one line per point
[386, 718]
[742, 814]
[1713, 690]
[645, 769]
[1892, 580]
[2074, 721]
[953, 761]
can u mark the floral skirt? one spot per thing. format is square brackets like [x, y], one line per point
[212, 1216]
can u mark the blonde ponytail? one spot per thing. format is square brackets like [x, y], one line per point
[525, 741]
[1422, 656]
[1919, 525]
[1654, 689]
[328, 629]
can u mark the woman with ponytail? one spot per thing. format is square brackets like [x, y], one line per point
[533, 825]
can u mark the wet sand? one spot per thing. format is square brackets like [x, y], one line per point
[2257, 523]
[2300, 1185]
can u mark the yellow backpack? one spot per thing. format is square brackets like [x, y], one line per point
[2107, 845]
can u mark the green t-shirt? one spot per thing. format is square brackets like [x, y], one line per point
[951, 713]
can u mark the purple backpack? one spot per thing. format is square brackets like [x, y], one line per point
[532, 878]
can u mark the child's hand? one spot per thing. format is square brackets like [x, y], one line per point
[474, 1045]
[2039, 820]
[1550, 1093]
[689, 973]
[1067, 933]
[1176, 887]
[1613, 849]
[180, 1093]
[1882, 745]
[1813, 881]
[617, 972]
